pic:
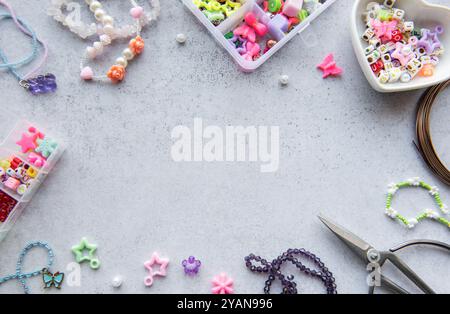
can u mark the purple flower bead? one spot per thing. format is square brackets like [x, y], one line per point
[191, 266]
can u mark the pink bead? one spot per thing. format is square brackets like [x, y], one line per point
[87, 74]
[136, 12]
[292, 7]
[36, 160]
[12, 183]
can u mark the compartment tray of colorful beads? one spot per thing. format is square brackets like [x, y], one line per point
[26, 157]
[257, 29]
[397, 48]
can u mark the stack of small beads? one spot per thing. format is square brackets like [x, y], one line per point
[218, 10]
[397, 50]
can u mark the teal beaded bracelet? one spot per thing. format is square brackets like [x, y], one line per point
[427, 213]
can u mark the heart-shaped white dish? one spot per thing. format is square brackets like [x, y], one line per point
[424, 15]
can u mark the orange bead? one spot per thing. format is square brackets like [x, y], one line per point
[427, 70]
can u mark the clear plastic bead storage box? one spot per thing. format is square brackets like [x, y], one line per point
[27, 155]
[259, 9]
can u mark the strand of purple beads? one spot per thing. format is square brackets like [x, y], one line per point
[289, 286]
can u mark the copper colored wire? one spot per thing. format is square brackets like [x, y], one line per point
[425, 142]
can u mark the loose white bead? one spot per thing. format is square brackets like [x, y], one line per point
[122, 61]
[128, 54]
[181, 38]
[108, 29]
[284, 80]
[98, 46]
[95, 5]
[117, 281]
[91, 53]
[99, 14]
[107, 19]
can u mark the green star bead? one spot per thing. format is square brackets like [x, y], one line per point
[78, 251]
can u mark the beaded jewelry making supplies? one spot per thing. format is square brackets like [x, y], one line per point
[50, 279]
[22, 277]
[427, 213]
[107, 32]
[26, 157]
[288, 285]
[191, 266]
[222, 284]
[397, 49]
[78, 251]
[36, 85]
[424, 140]
[163, 263]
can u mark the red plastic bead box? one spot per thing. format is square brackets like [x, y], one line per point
[27, 155]
[253, 30]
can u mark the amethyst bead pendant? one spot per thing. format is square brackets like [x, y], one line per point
[41, 84]
[191, 266]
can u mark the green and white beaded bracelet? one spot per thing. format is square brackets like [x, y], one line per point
[427, 213]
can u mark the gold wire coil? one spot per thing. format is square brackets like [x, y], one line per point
[425, 142]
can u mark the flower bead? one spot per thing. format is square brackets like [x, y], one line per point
[414, 181]
[116, 73]
[137, 45]
[391, 212]
[392, 188]
[222, 284]
[434, 191]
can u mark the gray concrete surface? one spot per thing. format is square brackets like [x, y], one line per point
[341, 144]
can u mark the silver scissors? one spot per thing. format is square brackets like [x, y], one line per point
[369, 254]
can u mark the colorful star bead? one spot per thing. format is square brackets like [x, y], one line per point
[27, 143]
[46, 146]
[162, 271]
[78, 251]
[222, 284]
[191, 265]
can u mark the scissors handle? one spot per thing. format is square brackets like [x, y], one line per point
[409, 273]
[420, 242]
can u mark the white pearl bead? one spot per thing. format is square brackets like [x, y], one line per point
[117, 281]
[105, 39]
[91, 53]
[99, 14]
[98, 46]
[181, 38]
[128, 54]
[95, 5]
[107, 20]
[284, 80]
[108, 29]
[122, 61]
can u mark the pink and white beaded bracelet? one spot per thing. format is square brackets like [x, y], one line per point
[107, 32]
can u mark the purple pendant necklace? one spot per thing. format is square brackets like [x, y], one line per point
[40, 84]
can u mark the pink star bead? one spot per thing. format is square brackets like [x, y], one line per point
[403, 53]
[27, 142]
[222, 284]
[155, 260]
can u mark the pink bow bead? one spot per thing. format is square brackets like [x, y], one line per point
[253, 49]
[251, 28]
[36, 160]
[383, 30]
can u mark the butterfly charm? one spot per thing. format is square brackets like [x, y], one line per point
[50, 279]
[383, 30]
[251, 28]
[329, 67]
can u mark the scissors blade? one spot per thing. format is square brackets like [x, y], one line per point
[355, 243]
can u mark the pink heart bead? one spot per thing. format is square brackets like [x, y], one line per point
[87, 74]
[136, 12]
